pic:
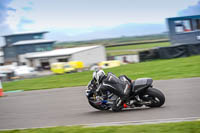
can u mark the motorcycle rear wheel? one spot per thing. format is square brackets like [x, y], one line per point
[156, 97]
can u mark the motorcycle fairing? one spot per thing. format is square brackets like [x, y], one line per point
[141, 84]
[143, 81]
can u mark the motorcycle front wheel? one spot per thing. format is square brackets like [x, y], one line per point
[99, 107]
[96, 106]
[154, 96]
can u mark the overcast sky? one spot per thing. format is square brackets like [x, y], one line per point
[72, 18]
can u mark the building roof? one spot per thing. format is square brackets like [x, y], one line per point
[184, 17]
[32, 42]
[59, 52]
[25, 33]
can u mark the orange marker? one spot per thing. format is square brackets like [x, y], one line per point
[1, 89]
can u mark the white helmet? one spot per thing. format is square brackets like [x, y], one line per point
[98, 75]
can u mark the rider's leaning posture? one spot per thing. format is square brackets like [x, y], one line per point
[120, 86]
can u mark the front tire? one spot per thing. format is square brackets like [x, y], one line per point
[155, 96]
[98, 107]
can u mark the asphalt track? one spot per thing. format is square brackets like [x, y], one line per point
[69, 106]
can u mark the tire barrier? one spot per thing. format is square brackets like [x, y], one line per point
[176, 51]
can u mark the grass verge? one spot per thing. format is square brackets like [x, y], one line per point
[141, 46]
[115, 53]
[180, 127]
[158, 69]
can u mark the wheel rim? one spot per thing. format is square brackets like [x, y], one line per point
[151, 99]
[99, 104]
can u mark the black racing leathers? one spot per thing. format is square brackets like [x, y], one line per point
[119, 86]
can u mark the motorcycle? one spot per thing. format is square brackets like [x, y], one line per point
[142, 94]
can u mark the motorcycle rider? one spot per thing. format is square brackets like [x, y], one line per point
[120, 86]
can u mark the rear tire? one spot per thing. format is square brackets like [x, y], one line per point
[155, 96]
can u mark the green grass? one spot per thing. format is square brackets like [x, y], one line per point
[158, 69]
[180, 127]
[115, 53]
[114, 41]
[140, 46]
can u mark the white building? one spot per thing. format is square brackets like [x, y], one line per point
[88, 55]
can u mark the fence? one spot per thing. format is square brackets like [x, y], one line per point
[176, 51]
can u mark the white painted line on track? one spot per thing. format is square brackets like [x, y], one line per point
[155, 121]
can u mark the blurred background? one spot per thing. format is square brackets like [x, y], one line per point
[57, 44]
[40, 38]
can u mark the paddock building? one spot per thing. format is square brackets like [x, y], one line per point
[89, 55]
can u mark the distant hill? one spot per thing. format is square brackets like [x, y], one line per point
[133, 29]
[116, 41]
[129, 29]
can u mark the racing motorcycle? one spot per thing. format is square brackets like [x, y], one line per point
[141, 94]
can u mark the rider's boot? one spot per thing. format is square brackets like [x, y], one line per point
[118, 104]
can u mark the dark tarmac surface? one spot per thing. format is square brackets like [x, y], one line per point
[69, 106]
